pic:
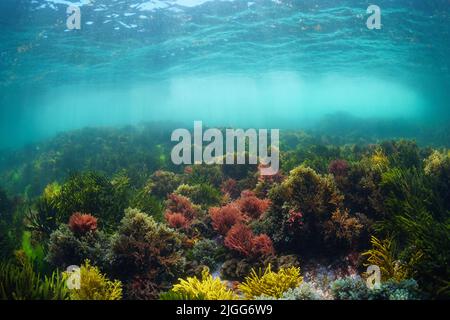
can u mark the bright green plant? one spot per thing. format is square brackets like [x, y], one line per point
[52, 192]
[35, 252]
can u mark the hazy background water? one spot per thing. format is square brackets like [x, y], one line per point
[257, 63]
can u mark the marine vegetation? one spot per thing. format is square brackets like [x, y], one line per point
[205, 288]
[270, 283]
[139, 227]
[356, 289]
[241, 239]
[145, 248]
[73, 243]
[95, 286]
[382, 255]
[20, 281]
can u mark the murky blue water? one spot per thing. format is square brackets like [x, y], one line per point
[235, 63]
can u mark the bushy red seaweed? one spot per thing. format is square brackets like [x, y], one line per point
[251, 205]
[224, 218]
[81, 223]
[176, 220]
[180, 211]
[241, 239]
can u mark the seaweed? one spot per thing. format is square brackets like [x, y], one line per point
[19, 281]
[120, 204]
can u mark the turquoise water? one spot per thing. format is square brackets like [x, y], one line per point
[278, 64]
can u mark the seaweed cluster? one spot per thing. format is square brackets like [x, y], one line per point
[141, 228]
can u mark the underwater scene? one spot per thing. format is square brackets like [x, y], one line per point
[224, 150]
